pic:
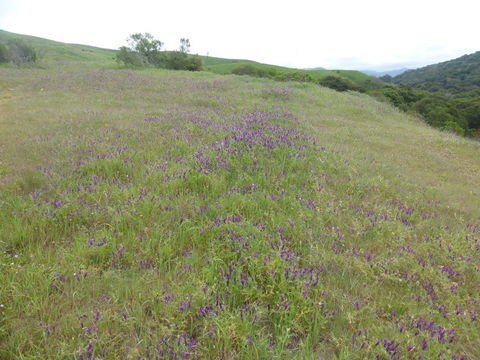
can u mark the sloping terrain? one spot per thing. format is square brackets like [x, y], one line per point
[54, 51]
[174, 215]
[225, 66]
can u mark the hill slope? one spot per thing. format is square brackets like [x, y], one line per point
[457, 75]
[160, 214]
[54, 51]
[393, 72]
[225, 66]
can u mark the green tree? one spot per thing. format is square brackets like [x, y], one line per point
[147, 46]
[184, 46]
[144, 50]
[470, 110]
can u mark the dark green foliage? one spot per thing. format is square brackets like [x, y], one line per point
[400, 96]
[131, 58]
[20, 52]
[454, 76]
[295, 76]
[436, 111]
[3, 53]
[387, 78]
[145, 50]
[452, 126]
[458, 115]
[449, 92]
[194, 63]
[251, 70]
[470, 110]
[338, 83]
[179, 60]
[146, 45]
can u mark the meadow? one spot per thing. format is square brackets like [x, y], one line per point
[162, 214]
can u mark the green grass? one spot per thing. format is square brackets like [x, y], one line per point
[159, 214]
[53, 51]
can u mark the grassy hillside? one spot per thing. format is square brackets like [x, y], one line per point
[174, 215]
[54, 51]
[225, 66]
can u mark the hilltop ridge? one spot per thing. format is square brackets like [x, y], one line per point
[458, 75]
[57, 51]
[50, 50]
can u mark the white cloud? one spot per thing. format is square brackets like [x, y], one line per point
[342, 33]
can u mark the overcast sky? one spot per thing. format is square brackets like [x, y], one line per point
[344, 34]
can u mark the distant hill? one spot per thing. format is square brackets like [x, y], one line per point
[394, 72]
[458, 75]
[55, 51]
[225, 66]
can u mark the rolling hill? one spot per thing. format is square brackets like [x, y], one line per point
[225, 66]
[158, 214]
[454, 76]
[53, 51]
[376, 73]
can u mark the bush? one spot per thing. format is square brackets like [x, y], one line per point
[3, 53]
[294, 76]
[179, 60]
[21, 53]
[194, 63]
[246, 69]
[454, 127]
[252, 70]
[338, 83]
[131, 58]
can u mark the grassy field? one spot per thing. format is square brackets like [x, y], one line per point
[172, 215]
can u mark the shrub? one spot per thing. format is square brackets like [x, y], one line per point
[294, 76]
[179, 60]
[131, 58]
[20, 52]
[454, 127]
[338, 83]
[246, 69]
[3, 53]
[194, 63]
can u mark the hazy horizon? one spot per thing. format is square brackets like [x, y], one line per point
[371, 35]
